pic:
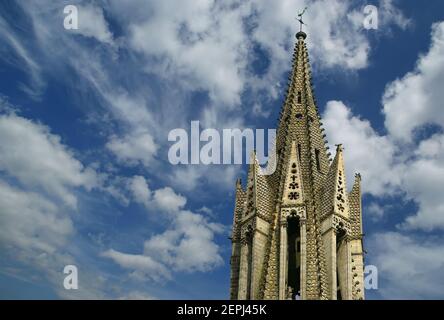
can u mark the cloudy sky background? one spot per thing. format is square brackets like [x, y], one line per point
[85, 116]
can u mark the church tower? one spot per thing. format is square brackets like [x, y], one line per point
[297, 233]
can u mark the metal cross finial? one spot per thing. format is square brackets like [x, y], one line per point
[340, 146]
[299, 18]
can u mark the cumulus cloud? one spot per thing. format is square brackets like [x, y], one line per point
[409, 263]
[401, 160]
[39, 180]
[188, 243]
[416, 99]
[133, 149]
[389, 169]
[423, 181]
[38, 159]
[409, 104]
[366, 151]
[163, 199]
[168, 200]
[30, 224]
[408, 267]
[375, 210]
[138, 187]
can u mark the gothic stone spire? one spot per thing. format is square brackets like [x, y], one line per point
[295, 232]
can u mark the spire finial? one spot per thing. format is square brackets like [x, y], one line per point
[299, 18]
[301, 22]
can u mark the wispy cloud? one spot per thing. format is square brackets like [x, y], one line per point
[23, 60]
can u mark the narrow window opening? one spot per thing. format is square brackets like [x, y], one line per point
[249, 263]
[294, 257]
[318, 163]
[299, 97]
[339, 239]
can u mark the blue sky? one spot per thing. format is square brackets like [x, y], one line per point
[85, 116]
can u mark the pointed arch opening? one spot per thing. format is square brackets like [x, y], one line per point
[294, 256]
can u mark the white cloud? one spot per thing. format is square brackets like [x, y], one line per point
[207, 211]
[388, 168]
[25, 61]
[193, 177]
[423, 181]
[201, 42]
[408, 267]
[144, 266]
[38, 159]
[375, 210]
[336, 38]
[390, 14]
[411, 103]
[334, 41]
[207, 44]
[416, 99]
[92, 23]
[366, 151]
[133, 149]
[127, 106]
[186, 177]
[137, 295]
[166, 199]
[258, 110]
[29, 224]
[189, 245]
[199, 46]
[140, 190]
[38, 181]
